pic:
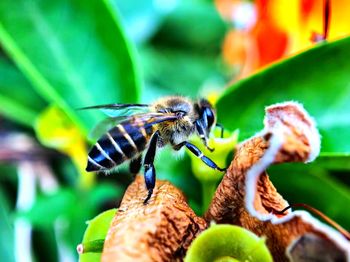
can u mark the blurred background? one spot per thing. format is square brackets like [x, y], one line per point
[57, 56]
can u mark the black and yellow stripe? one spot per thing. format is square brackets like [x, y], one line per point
[124, 141]
[121, 143]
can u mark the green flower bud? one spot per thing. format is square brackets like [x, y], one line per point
[228, 243]
[223, 146]
[207, 176]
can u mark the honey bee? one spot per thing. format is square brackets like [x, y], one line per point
[170, 120]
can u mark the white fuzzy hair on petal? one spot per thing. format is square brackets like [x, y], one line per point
[274, 124]
[307, 126]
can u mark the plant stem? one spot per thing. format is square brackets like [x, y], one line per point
[208, 190]
[94, 246]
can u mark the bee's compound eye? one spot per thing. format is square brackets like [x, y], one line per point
[210, 116]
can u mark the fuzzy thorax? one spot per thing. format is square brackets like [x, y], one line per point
[176, 132]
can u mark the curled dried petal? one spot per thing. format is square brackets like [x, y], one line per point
[247, 197]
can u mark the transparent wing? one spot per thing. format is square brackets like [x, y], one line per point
[147, 119]
[102, 127]
[156, 118]
[116, 110]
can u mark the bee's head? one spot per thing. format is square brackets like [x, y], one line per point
[206, 114]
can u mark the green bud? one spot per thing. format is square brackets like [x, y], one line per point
[223, 146]
[95, 233]
[207, 176]
[228, 243]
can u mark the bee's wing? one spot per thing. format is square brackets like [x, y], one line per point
[117, 110]
[148, 119]
[102, 127]
[156, 118]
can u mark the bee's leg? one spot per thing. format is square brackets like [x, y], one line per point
[150, 172]
[222, 129]
[201, 132]
[199, 154]
[135, 165]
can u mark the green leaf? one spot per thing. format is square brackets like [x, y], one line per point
[103, 192]
[47, 208]
[141, 18]
[225, 242]
[336, 162]
[318, 78]
[170, 71]
[299, 183]
[15, 86]
[206, 32]
[18, 101]
[69, 204]
[16, 112]
[48, 237]
[99, 225]
[97, 229]
[179, 60]
[73, 52]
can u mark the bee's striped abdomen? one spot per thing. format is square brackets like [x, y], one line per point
[121, 143]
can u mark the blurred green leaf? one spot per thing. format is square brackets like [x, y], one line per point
[47, 208]
[183, 59]
[300, 183]
[73, 52]
[68, 209]
[318, 78]
[335, 162]
[18, 101]
[48, 238]
[141, 19]
[194, 25]
[97, 229]
[16, 87]
[65, 202]
[103, 192]
[220, 242]
[16, 112]
[7, 233]
[171, 71]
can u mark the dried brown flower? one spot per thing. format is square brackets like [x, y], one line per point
[162, 230]
[246, 196]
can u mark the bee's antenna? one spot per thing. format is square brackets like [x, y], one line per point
[330, 221]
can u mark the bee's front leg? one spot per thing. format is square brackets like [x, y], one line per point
[150, 172]
[195, 150]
